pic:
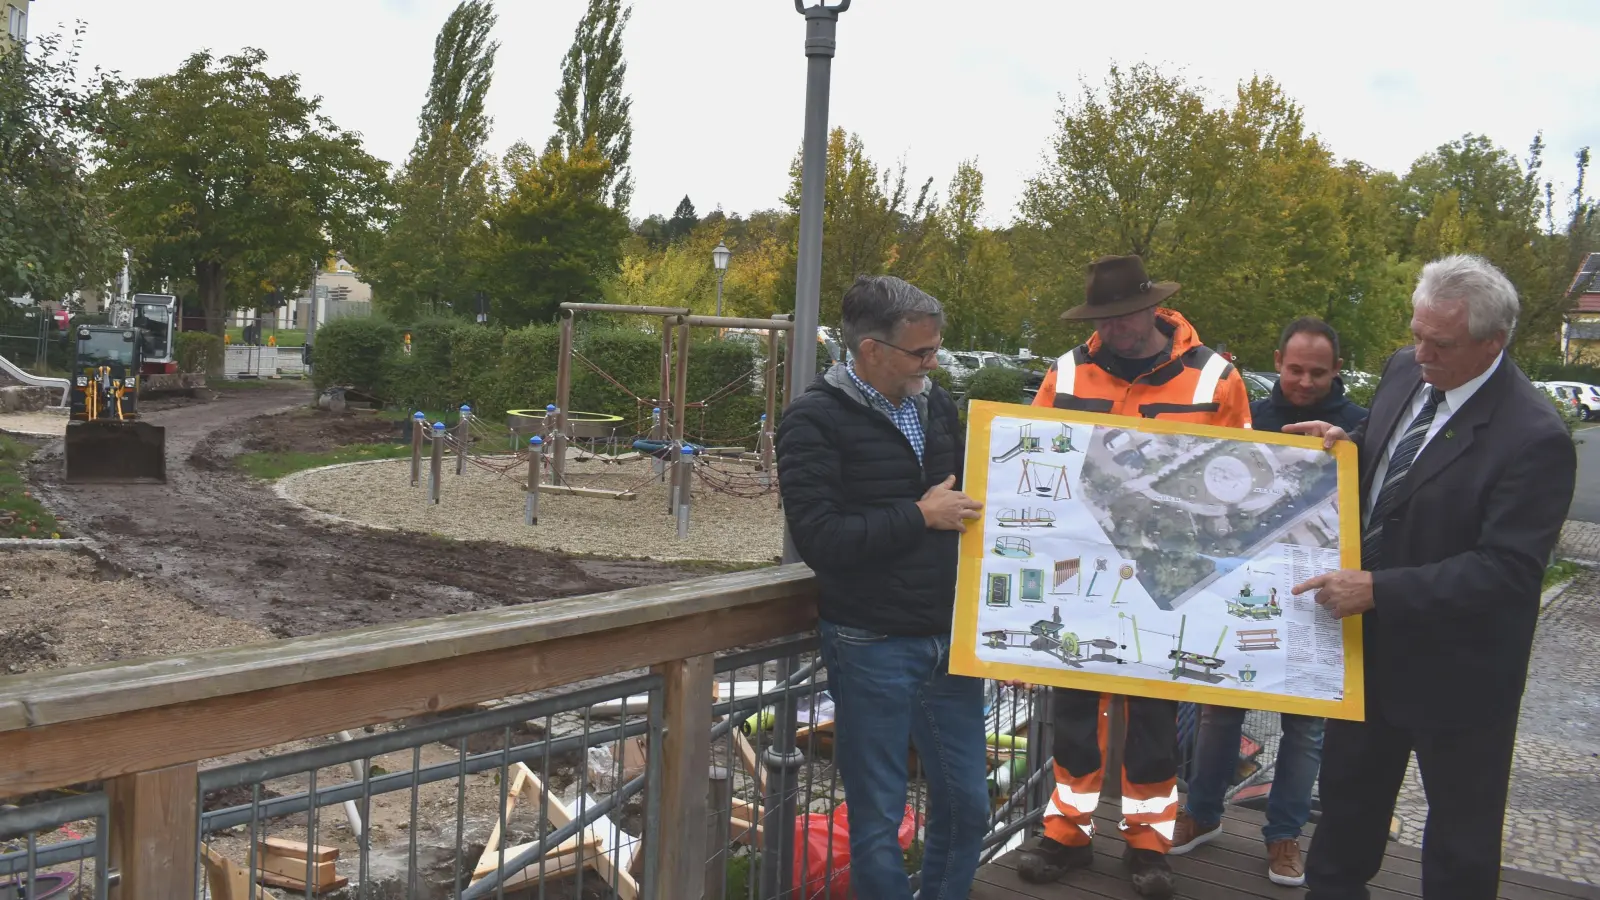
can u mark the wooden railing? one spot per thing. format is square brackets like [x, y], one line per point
[142, 727]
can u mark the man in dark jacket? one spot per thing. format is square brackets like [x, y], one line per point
[871, 458]
[1308, 390]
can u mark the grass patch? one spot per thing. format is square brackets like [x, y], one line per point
[269, 465]
[218, 383]
[1559, 571]
[21, 514]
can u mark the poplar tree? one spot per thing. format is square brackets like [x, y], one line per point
[424, 263]
[591, 107]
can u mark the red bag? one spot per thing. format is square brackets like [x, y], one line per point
[822, 846]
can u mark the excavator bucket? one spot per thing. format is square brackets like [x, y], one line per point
[116, 452]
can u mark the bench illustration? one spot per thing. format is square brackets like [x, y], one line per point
[1257, 638]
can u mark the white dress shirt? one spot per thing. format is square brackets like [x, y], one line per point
[1453, 400]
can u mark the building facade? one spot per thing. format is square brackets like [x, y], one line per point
[15, 31]
[1580, 328]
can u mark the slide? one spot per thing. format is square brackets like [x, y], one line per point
[32, 380]
[1009, 454]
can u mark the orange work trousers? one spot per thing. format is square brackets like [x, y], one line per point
[1082, 723]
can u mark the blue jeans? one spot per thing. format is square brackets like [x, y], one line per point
[1217, 758]
[890, 693]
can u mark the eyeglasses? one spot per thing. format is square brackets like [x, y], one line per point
[926, 356]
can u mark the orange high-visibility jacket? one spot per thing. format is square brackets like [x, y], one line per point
[1194, 384]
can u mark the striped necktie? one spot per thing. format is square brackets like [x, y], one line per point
[1405, 453]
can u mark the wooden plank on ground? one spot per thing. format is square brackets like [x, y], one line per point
[296, 885]
[560, 814]
[593, 493]
[322, 873]
[298, 849]
[752, 765]
[227, 880]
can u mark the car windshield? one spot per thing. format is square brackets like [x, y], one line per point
[106, 347]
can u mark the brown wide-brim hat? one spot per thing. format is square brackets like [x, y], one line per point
[1117, 285]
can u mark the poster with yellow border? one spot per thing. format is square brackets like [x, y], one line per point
[1153, 558]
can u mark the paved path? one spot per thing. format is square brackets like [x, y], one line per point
[1553, 819]
[1586, 499]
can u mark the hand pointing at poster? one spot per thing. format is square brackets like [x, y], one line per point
[1347, 592]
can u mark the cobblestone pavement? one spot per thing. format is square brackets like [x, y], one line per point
[1553, 817]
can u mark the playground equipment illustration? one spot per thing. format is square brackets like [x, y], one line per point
[1026, 518]
[1026, 443]
[1067, 570]
[1049, 636]
[1183, 662]
[1045, 480]
[1099, 566]
[1124, 574]
[1032, 588]
[1013, 547]
[1062, 443]
[1257, 639]
[999, 589]
[1249, 605]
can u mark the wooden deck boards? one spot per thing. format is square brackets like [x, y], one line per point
[1234, 866]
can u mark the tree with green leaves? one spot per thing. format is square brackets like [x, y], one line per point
[422, 265]
[552, 238]
[54, 236]
[971, 272]
[870, 225]
[683, 220]
[220, 169]
[591, 107]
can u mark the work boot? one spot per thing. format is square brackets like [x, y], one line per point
[1283, 863]
[1151, 875]
[1188, 834]
[1049, 860]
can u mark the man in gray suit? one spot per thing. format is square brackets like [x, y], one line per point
[1466, 475]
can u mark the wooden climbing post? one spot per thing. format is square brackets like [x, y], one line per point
[664, 399]
[680, 406]
[436, 463]
[419, 425]
[463, 435]
[530, 515]
[558, 463]
[768, 421]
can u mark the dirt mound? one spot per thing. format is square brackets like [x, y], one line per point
[25, 648]
[313, 431]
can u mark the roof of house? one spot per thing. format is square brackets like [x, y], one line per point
[1585, 287]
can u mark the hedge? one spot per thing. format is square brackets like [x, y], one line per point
[998, 383]
[198, 351]
[359, 352]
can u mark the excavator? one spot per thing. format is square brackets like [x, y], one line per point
[106, 441]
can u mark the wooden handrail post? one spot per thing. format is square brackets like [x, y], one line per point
[718, 827]
[153, 830]
[685, 759]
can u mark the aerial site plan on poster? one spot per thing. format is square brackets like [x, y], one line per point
[1156, 559]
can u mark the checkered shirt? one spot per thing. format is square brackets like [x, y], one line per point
[904, 416]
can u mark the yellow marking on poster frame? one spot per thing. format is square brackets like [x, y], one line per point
[969, 587]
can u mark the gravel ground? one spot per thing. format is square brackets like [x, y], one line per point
[52, 425]
[59, 608]
[481, 505]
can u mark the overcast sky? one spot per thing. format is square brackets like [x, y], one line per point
[718, 87]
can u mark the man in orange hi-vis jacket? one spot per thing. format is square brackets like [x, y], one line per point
[1142, 362]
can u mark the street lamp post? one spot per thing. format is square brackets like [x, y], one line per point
[719, 258]
[781, 759]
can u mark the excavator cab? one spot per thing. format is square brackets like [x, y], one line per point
[106, 442]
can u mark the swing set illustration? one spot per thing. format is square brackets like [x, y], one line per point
[1044, 480]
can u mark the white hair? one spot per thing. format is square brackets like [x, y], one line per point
[1490, 298]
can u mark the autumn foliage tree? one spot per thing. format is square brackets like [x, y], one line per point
[220, 168]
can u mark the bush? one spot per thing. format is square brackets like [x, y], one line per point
[631, 357]
[999, 383]
[526, 376]
[198, 351]
[361, 352]
[942, 378]
[725, 368]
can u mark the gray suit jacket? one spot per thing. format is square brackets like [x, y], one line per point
[1457, 595]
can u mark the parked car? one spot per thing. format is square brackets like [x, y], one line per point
[1584, 398]
[1259, 384]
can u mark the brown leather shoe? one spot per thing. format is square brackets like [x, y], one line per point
[1283, 863]
[1188, 834]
